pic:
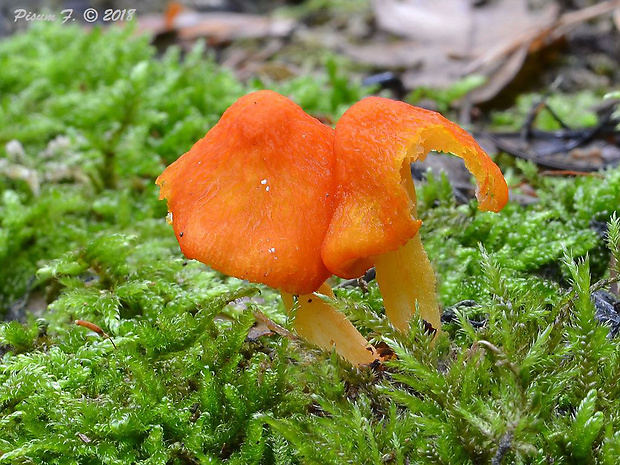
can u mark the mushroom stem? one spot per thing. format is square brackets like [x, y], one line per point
[322, 325]
[406, 276]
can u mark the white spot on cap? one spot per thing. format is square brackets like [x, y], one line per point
[169, 218]
[272, 250]
[264, 181]
[267, 188]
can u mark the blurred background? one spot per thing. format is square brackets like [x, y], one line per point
[481, 52]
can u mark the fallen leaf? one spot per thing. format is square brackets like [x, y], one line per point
[502, 62]
[426, 21]
[451, 39]
[499, 74]
[385, 352]
[442, 42]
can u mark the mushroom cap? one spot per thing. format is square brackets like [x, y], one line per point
[375, 141]
[254, 197]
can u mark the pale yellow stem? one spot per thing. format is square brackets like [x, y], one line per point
[406, 276]
[322, 325]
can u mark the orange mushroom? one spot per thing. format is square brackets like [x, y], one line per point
[253, 200]
[375, 218]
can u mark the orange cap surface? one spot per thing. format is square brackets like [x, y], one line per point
[374, 139]
[254, 197]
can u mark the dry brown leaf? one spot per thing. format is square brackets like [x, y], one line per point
[447, 40]
[462, 30]
[573, 18]
[504, 72]
[426, 21]
[537, 38]
[443, 41]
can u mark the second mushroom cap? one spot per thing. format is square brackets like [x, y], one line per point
[375, 141]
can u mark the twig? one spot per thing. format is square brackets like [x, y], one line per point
[577, 138]
[363, 285]
[85, 439]
[570, 173]
[96, 329]
[503, 447]
[537, 107]
[273, 326]
[499, 352]
[369, 276]
[574, 18]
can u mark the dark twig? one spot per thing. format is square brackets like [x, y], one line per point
[537, 107]
[358, 282]
[369, 276]
[562, 141]
[574, 138]
[505, 443]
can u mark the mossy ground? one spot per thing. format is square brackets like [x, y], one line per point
[82, 230]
